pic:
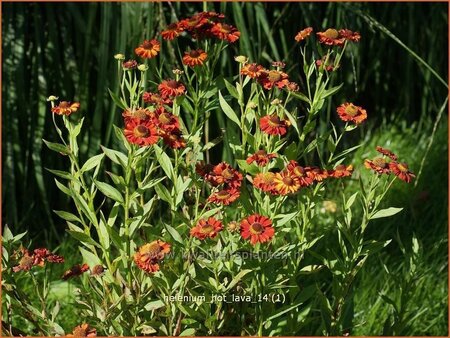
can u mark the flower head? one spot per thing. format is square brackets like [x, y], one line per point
[206, 228]
[316, 173]
[225, 196]
[286, 182]
[83, 330]
[273, 125]
[334, 37]
[261, 158]
[38, 258]
[148, 49]
[141, 132]
[271, 78]
[165, 121]
[401, 170]
[387, 153]
[195, 57]
[301, 173]
[303, 34]
[171, 88]
[148, 255]
[350, 112]
[174, 139]
[378, 164]
[130, 64]
[341, 171]
[76, 270]
[172, 31]
[257, 228]
[264, 182]
[223, 173]
[139, 113]
[224, 31]
[155, 99]
[66, 108]
[252, 70]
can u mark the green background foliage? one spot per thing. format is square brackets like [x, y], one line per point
[66, 49]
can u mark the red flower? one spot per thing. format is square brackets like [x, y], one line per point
[296, 170]
[172, 31]
[341, 171]
[174, 139]
[253, 70]
[37, 258]
[194, 57]
[206, 228]
[264, 182]
[286, 182]
[273, 125]
[140, 114]
[387, 153]
[165, 121]
[141, 132]
[378, 164]
[333, 37]
[225, 197]
[76, 270]
[148, 49]
[171, 88]
[350, 112]
[303, 34]
[130, 64]
[66, 108]
[223, 173]
[261, 157]
[401, 171]
[193, 23]
[148, 255]
[316, 173]
[271, 78]
[225, 32]
[155, 99]
[258, 228]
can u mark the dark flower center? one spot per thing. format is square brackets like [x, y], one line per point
[152, 250]
[64, 104]
[331, 33]
[261, 153]
[288, 181]
[147, 45]
[172, 84]
[164, 118]
[223, 194]
[206, 228]
[256, 228]
[140, 114]
[380, 162]
[403, 167]
[141, 131]
[274, 121]
[194, 54]
[227, 174]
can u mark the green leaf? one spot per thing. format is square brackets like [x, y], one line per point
[164, 161]
[89, 258]
[386, 213]
[115, 156]
[163, 193]
[60, 148]
[109, 191]
[351, 200]
[187, 333]
[117, 100]
[92, 163]
[249, 168]
[228, 110]
[237, 279]
[174, 233]
[63, 174]
[67, 216]
[82, 237]
[331, 91]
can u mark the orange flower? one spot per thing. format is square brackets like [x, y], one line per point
[194, 57]
[286, 182]
[378, 164]
[401, 170]
[155, 99]
[303, 34]
[316, 174]
[66, 108]
[206, 228]
[264, 181]
[141, 132]
[258, 228]
[174, 139]
[164, 120]
[83, 330]
[387, 153]
[253, 70]
[140, 114]
[271, 78]
[350, 112]
[148, 49]
[333, 37]
[341, 171]
[273, 125]
[193, 23]
[261, 157]
[76, 270]
[293, 86]
[148, 255]
[171, 88]
[296, 170]
[223, 173]
[225, 197]
[172, 31]
[225, 32]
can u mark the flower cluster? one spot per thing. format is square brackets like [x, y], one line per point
[203, 25]
[293, 177]
[383, 166]
[38, 257]
[149, 255]
[227, 179]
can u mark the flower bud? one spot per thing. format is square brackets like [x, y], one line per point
[130, 64]
[252, 105]
[177, 71]
[241, 59]
[276, 102]
[119, 57]
[52, 98]
[142, 67]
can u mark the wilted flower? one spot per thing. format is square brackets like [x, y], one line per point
[74, 271]
[130, 64]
